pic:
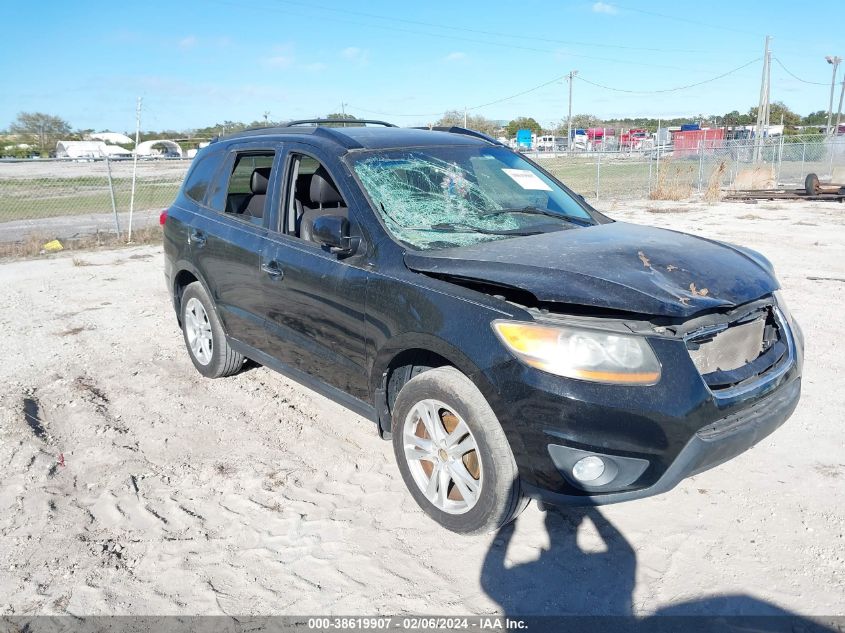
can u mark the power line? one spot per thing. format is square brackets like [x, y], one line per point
[519, 94]
[682, 19]
[709, 25]
[561, 78]
[475, 107]
[533, 38]
[394, 29]
[381, 113]
[794, 76]
[678, 88]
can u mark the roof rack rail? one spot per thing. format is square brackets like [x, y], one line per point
[454, 129]
[316, 122]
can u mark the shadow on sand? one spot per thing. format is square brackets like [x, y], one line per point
[568, 581]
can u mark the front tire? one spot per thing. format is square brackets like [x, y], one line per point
[453, 454]
[204, 336]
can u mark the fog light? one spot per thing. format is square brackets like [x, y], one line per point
[588, 469]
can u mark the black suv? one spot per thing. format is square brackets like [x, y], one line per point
[513, 342]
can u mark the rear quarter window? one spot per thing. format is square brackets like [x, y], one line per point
[201, 175]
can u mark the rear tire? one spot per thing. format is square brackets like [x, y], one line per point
[204, 336]
[453, 454]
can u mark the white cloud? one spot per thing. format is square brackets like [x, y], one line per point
[187, 43]
[603, 7]
[457, 56]
[279, 61]
[355, 54]
[284, 57]
[280, 56]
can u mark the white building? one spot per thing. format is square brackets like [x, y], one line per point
[89, 149]
[147, 148]
[114, 138]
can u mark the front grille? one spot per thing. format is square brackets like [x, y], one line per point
[729, 354]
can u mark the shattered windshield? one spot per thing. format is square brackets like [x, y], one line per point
[439, 197]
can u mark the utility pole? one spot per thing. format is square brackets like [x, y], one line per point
[343, 108]
[762, 105]
[839, 111]
[134, 167]
[465, 117]
[833, 61]
[768, 120]
[266, 116]
[570, 77]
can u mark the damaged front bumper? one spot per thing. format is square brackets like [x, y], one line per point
[709, 447]
[647, 438]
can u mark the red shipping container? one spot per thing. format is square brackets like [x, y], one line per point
[691, 141]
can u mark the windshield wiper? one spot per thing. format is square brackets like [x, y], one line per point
[452, 226]
[535, 211]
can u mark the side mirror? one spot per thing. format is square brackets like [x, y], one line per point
[332, 232]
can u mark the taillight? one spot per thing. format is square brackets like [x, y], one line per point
[162, 218]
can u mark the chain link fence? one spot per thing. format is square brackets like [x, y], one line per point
[708, 169]
[67, 198]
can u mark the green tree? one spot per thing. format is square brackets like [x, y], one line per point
[42, 130]
[81, 135]
[474, 122]
[13, 151]
[776, 109]
[819, 117]
[523, 123]
[735, 118]
[207, 132]
[339, 115]
[581, 121]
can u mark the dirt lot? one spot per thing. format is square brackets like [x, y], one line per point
[129, 484]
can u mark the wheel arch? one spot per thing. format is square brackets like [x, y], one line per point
[186, 275]
[403, 358]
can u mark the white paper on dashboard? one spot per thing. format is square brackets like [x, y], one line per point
[527, 179]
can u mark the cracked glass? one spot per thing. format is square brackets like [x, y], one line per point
[441, 197]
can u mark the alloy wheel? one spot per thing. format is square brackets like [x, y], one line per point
[198, 331]
[443, 456]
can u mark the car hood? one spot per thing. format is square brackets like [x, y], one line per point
[619, 266]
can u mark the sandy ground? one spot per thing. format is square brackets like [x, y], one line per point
[146, 489]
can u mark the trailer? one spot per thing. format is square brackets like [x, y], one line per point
[813, 190]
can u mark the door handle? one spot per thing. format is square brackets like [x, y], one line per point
[272, 268]
[197, 237]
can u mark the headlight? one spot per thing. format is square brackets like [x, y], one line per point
[791, 323]
[573, 352]
[781, 303]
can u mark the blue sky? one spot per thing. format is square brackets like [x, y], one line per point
[197, 63]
